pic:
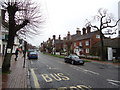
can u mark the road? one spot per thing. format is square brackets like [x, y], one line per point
[52, 72]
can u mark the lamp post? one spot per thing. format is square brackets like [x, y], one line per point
[24, 53]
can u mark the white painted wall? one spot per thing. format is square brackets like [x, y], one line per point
[110, 54]
[0, 35]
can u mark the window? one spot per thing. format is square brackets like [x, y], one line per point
[80, 44]
[87, 43]
[74, 44]
[87, 50]
[97, 36]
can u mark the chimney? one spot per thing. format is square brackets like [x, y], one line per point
[88, 29]
[68, 36]
[78, 31]
[84, 31]
[59, 37]
[49, 39]
[54, 37]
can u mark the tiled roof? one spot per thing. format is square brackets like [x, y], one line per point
[84, 36]
[114, 43]
[57, 41]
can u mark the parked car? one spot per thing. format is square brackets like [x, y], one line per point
[32, 55]
[73, 59]
[30, 50]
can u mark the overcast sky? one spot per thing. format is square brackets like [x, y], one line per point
[67, 15]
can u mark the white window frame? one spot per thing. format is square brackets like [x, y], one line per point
[80, 43]
[97, 36]
[87, 50]
[75, 44]
[87, 43]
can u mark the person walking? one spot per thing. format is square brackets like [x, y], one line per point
[16, 54]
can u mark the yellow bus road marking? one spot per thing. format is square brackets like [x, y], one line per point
[77, 87]
[35, 79]
[46, 78]
[55, 76]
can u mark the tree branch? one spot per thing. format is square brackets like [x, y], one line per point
[18, 27]
[110, 26]
[95, 27]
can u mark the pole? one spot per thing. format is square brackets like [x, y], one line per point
[24, 53]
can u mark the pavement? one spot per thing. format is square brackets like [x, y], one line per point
[19, 78]
[105, 62]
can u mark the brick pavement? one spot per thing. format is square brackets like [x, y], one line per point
[18, 75]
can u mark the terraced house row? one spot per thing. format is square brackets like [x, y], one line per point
[85, 43]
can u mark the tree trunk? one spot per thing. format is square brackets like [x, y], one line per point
[10, 42]
[8, 54]
[101, 46]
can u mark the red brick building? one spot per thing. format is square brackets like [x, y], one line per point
[82, 43]
[78, 43]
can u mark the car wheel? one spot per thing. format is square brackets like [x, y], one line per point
[72, 63]
[82, 63]
[65, 61]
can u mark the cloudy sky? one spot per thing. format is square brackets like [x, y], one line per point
[67, 15]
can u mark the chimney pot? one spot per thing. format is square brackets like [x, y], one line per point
[84, 30]
[88, 29]
[54, 37]
[78, 31]
[59, 37]
[68, 36]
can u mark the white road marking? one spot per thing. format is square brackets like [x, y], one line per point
[91, 72]
[52, 68]
[31, 62]
[113, 83]
[84, 70]
[113, 80]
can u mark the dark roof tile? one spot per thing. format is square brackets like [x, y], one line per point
[82, 37]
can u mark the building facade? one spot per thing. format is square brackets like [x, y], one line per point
[4, 36]
[83, 43]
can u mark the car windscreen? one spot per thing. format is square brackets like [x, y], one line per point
[33, 53]
[74, 56]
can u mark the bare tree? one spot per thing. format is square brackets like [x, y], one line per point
[21, 17]
[105, 20]
[68, 44]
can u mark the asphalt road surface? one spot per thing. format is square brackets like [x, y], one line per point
[52, 72]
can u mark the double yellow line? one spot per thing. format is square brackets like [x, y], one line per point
[36, 83]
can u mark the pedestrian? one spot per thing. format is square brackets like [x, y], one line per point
[16, 54]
